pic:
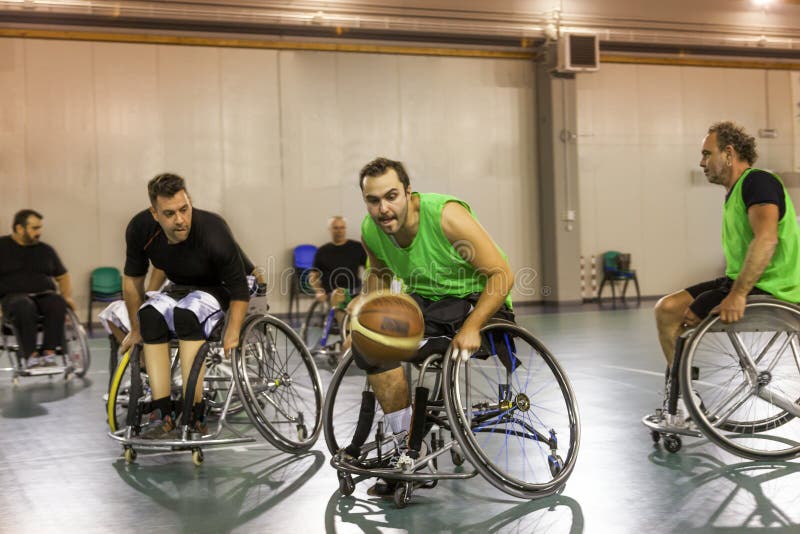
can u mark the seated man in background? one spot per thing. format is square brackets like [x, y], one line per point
[27, 269]
[336, 276]
[760, 239]
[198, 253]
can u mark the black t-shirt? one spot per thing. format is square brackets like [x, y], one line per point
[209, 259]
[338, 265]
[27, 269]
[761, 187]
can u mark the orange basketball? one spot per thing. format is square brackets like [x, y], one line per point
[387, 328]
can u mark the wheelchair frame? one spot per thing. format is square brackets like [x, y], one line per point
[511, 414]
[254, 386]
[318, 343]
[769, 326]
[74, 336]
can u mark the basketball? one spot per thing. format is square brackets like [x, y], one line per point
[387, 328]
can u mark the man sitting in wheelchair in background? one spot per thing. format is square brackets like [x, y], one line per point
[336, 276]
[198, 253]
[760, 239]
[27, 269]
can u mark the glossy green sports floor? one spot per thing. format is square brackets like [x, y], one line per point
[61, 473]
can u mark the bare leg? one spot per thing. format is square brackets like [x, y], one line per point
[187, 350]
[390, 389]
[156, 360]
[117, 332]
[670, 316]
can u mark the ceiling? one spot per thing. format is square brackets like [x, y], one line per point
[733, 28]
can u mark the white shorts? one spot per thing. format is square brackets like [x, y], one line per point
[204, 305]
[117, 314]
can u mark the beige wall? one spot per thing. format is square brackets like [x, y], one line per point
[640, 132]
[271, 140]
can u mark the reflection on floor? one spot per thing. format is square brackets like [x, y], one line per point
[59, 472]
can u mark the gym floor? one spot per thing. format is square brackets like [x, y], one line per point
[61, 473]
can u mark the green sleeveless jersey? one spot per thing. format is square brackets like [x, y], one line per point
[781, 278]
[431, 266]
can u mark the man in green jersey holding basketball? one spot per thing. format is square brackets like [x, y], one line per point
[760, 239]
[447, 262]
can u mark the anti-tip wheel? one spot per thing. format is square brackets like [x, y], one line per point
[655, 435]
[346, 484]
[130, 455]
[672, 442]
[197, 456]
[402, 494]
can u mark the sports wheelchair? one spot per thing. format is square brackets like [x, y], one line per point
[74, 356]
[270, 382]
[322, 333]
[744, 383]
[509, 411]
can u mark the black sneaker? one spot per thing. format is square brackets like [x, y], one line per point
[383, 488]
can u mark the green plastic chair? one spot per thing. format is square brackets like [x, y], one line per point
[616, 268]
[105, 285]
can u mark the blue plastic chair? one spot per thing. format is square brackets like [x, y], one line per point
[302, 264]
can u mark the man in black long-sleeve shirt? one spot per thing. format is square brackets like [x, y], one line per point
[197, 251]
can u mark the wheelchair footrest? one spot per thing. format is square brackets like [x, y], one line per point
[657, 423]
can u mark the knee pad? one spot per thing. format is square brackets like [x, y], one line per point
[153, 326]
[187, 325]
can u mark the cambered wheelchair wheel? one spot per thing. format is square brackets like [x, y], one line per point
[343, 403]
[279, 384]
[746, 380]
[76, 345]
[514, 413]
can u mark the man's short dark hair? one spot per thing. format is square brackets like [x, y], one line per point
[379, 166]
[165, 185]
[729, 133]
[21, 218]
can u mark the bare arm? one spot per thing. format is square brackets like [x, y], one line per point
[477, 247]
[315, 281]
[133, 293]
[65, 288]
[764, 222]
[236, 314]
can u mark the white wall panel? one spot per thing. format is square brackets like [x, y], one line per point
[251, 145]
[190, 109]
[129, 147]
[637, 151]
[14, 192]
[61, 150]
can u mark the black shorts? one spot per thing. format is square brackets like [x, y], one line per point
[708, 295]
[443, 318]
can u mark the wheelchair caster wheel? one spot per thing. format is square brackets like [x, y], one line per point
[197, 457]
[556, 464]
[346, 484]
[456, 456]
[302, 432]
[655, 436]
[130, 455]
[402, 495]
[672, 442]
